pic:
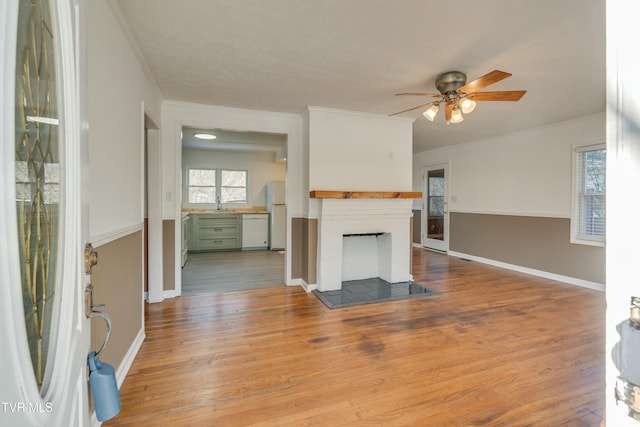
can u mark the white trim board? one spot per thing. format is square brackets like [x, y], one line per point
[128, 358]
[506, 213]
[103, 239]
[532, 271]
[304, 285]
[123, 369]
[170, 294]
[165, 295]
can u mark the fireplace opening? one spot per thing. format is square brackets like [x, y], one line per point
[363, 254]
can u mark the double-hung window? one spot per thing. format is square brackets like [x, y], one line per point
[588, 218]
[233, 186]
[201, 185]
[213, 186]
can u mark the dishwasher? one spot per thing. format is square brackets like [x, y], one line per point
[255, 231]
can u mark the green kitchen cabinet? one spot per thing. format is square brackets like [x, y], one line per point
[211, 232]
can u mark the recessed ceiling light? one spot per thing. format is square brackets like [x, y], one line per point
[204, 135]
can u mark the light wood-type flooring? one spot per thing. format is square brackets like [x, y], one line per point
[492, 348]
[232, 271]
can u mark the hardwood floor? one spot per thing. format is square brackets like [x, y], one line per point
[493, 348]
[232, 271]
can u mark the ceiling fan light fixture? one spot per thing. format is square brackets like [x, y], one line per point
[202, 135]
[459, 96]
[467, 105]
[431, 112]
[456, 116]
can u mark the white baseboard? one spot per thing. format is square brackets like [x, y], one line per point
[304, 285]
[125, 365]
[307, 287]
[170, 294]
[123, 369]
[295, 282]
[165, 295]
[94, 420]
[532, 271]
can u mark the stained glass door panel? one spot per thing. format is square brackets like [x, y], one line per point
[38, 174]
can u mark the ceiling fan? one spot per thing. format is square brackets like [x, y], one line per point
[459, 97]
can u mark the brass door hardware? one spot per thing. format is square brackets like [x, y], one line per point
[90, 258]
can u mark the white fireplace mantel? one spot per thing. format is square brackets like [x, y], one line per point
[341, 216]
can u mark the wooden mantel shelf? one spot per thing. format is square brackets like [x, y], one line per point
[329, 194]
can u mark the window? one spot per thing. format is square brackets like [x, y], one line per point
[233, 187]
[436, 193]
[202, 185]
[589, 211]
[203, 188]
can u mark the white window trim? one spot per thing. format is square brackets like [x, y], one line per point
[187, 185]
[576, 237]
[218, 186]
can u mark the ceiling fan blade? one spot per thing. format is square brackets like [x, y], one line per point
[484, 81]
[414, 108]
[448, 109]
[420, 94]
[509, 95]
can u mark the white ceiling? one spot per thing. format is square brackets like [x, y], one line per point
[284, 55]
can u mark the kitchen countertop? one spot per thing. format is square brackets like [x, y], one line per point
[239, 211]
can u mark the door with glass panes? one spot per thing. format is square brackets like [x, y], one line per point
[435, 215]
[43, 215]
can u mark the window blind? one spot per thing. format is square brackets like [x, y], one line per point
[591, 192]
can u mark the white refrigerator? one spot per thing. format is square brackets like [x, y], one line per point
[276, 205]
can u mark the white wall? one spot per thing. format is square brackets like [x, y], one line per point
[623, 179]
[117, 90]
[359, 152]
[524, 173]
[261, 169]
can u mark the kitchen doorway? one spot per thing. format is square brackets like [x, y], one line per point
[227, 181]
[435, 214]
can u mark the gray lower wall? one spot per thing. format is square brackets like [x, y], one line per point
[304, 252]
[296, 247]
[416, 234]
[117, 282]
[168, 255]
[532, 242]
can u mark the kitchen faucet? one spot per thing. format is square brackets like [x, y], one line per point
[218, 204]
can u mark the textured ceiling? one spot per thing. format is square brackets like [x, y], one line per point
[284, 55]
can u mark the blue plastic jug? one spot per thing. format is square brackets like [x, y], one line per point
[102, 378]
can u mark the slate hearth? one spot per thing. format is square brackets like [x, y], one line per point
[368, 291]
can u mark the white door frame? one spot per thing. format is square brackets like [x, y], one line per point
[65, 401]
[623, 169]
[154, 213]
[440, 245]
[229, 119]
